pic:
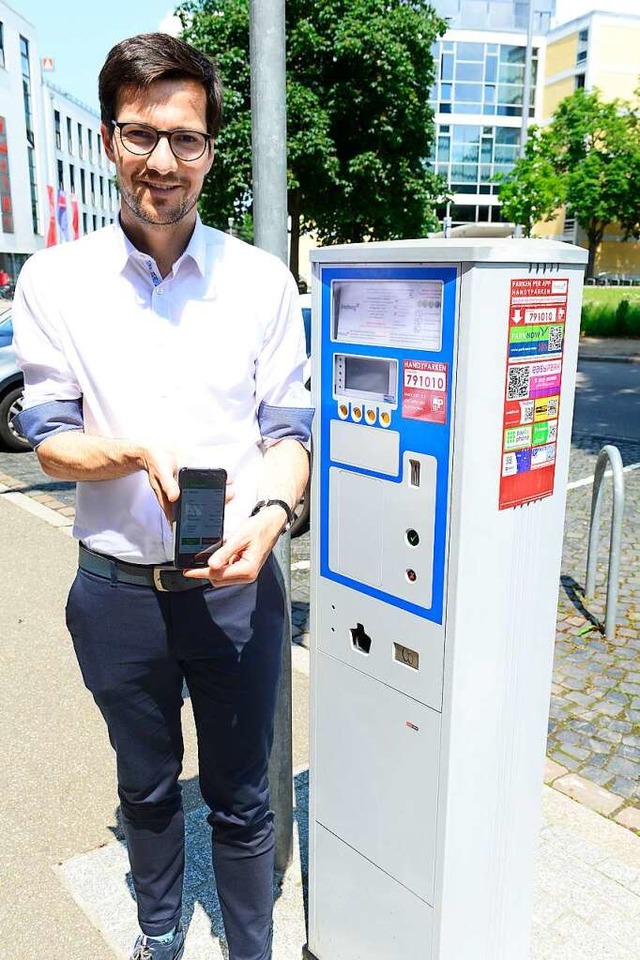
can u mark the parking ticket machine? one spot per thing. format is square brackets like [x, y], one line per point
[443, 377]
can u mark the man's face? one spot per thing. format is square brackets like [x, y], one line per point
[159, 188]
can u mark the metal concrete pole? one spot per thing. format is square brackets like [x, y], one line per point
[269, 145]
[526, 93]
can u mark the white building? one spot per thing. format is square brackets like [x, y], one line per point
[478, 97]
[51, 153]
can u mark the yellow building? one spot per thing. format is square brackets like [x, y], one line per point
[599, 50]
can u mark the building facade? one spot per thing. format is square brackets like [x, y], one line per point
[597, 51]
[44, 175]
[478, 98]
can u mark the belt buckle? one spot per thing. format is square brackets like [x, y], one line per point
[157, 580]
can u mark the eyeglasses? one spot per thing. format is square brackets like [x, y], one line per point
[142, 139]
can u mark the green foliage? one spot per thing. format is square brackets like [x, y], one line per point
[360, 129]
[593, 148]
[609, 320]
[533, 190]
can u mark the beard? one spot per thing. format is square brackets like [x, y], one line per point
[173, 214]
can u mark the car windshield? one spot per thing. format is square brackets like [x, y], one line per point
[6, 327]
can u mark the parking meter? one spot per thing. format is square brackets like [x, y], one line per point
[443, 379]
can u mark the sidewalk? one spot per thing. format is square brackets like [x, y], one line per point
[609, 348]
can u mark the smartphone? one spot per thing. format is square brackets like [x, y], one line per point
[199, 517]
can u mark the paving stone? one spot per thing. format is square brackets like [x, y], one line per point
[620, 726]
[624, 767]
[609, 709]
[582, 699]
[564, 760]
[625, 787]
[632, 688]
[553, 770]
[629, 817]
[590, 794]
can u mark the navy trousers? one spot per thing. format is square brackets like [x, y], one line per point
[135, 647]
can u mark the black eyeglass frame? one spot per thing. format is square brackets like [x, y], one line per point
[119, 124]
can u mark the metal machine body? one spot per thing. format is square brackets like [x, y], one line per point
[443, 379]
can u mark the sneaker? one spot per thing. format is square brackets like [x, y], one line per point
[145, 949]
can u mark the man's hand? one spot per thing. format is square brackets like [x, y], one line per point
[162, 470]
[241, 557]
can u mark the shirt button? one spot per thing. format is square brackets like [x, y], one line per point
[159, 291]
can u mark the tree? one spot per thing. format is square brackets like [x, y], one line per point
[594, 147]
[360, 129]
[533, 190]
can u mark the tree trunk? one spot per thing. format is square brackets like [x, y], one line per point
[294, 247]
[594, 239]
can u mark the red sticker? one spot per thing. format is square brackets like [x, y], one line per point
[424, 390]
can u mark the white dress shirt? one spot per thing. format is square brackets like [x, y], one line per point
[207, 362]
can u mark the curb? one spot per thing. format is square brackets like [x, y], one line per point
[607, 359]
[589, 794]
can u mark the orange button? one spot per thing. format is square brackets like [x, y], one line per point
[371, 415]
[385, 417]
[344, 410]
[357, 412]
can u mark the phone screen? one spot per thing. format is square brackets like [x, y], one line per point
[200, 516]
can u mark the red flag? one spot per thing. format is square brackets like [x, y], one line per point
[51, 232]
[75, 217]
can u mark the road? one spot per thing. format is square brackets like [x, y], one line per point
[607, 400]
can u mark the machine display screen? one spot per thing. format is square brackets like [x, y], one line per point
[366, 378]
[396, 313]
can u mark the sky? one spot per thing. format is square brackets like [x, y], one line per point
[79, 35]
[79, 43]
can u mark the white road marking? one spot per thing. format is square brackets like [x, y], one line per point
[587, 480]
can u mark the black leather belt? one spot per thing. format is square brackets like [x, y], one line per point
[164, 577]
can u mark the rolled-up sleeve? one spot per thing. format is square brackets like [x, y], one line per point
[284, 405]
[52, 399]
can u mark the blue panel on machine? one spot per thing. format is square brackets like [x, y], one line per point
[387, 373]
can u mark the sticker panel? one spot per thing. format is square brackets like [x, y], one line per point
[424, 390]
[535, 344]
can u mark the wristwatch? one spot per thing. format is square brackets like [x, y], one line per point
[261, 504]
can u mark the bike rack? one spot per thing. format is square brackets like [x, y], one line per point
[612, 455]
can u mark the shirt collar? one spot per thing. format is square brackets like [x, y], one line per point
[196, 248]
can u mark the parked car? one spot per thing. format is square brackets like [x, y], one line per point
[11, 385]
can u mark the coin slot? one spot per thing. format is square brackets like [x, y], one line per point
[360, 639]
[414, 467]
[410, 658]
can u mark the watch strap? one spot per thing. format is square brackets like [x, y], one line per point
[261, 504]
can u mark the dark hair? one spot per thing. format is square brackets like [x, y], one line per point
[140, 61]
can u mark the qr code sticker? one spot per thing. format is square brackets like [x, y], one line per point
[556, 336]
[518, 383]
[552, 408]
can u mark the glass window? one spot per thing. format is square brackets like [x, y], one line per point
[56, 124]
[468, 71]
[510, 93]
[80, 144]
[24, 57]
[446, 67]
[92, 181]
[60, 175]
[444, 148]
[446, 90]
[1, 44]
[582, 56]
[83, 186]
[583, 36]
[90, 144]
[580, 80]
[468, 93]
[69, 136]
[101, 181]
[99, 142]
[470, 51]
[84, 223]
[463, 213]
[512, 54]
[490, 93]
[72, 178]
[491, 69]
[34, 190]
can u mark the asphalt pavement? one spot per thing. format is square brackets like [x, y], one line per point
[65, 887]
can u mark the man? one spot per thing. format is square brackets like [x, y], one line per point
[152, 344]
